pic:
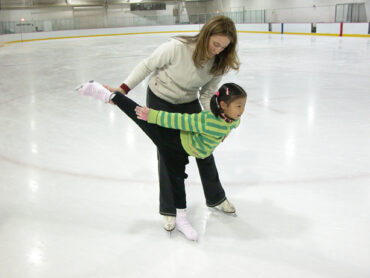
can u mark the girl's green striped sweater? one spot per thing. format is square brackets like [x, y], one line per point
[200, 133]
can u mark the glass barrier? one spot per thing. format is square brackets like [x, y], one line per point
[92, 22]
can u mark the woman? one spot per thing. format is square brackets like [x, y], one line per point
[185, 72]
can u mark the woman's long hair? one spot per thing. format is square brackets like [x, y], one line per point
[225, 60]
[227, 93]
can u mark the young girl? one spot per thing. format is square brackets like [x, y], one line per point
[197, 134]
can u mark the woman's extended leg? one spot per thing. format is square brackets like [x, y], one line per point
[127, 105]
[167, 140]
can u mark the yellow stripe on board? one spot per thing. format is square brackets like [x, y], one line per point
[364, 36]
[316, 34]
[164, 32]
[256, 32]
[323, 34]
[103, 35]
[305, 34]
[335, 35]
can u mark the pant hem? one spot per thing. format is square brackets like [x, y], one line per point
[167, 213]
[217, 203]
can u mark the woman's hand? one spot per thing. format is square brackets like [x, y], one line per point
[142, 112]
[113, 90]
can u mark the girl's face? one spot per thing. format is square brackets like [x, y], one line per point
[217, 43]
[234, 109]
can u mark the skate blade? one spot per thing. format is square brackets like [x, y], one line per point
[169, 233]
[189, 239]
[79, 87]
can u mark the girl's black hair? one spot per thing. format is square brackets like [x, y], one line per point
[235, 92]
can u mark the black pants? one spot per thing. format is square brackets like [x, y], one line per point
[172, 187]
[169, 143]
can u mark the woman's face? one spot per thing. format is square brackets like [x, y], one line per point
[217, 43]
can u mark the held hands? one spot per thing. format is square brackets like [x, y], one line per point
[142, 112]
[113, 90]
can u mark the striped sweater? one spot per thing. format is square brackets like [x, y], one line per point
[200, 133]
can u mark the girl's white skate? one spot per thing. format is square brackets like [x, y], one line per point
[184, 226]
[96, 90]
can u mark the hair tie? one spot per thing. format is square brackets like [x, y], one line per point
[227, 91]
[217, 94]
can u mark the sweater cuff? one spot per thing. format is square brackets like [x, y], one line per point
[152, 116]
[125, 88]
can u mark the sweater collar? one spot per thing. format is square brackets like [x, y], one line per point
[226, 118]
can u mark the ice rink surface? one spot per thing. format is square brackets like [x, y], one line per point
[79, 186]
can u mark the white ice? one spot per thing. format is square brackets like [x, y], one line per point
[79, 186]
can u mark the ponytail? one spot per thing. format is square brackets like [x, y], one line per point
[215, 106]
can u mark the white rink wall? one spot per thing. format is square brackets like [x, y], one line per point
[297, 28]
[361, 29]
[328, 28]
[356, 28]
[100, 32]
[254, 27]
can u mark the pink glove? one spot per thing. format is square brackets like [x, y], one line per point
[142, 112]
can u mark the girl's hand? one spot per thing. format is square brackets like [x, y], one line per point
[113, 90]
[142, 112]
